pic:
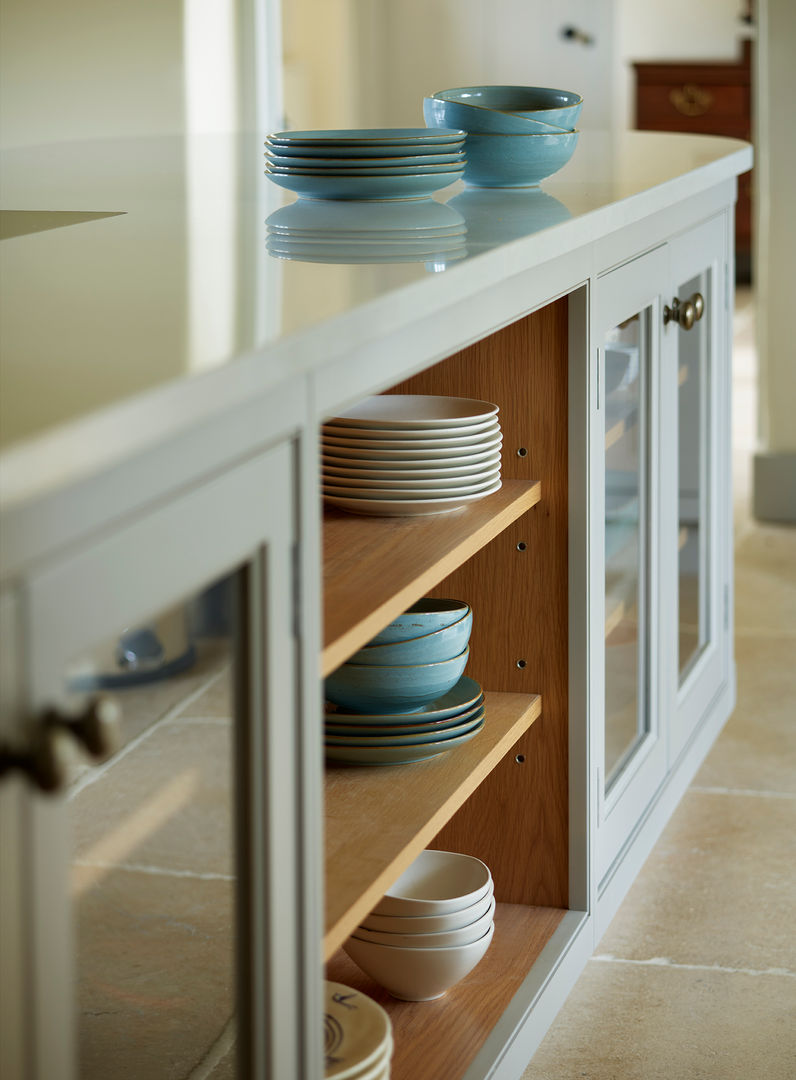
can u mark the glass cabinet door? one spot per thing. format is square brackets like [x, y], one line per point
[631, 749]
[168, 650]
[696, 543]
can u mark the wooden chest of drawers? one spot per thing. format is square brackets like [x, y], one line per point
[708, 98]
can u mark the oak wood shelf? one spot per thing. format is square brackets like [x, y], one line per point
[440, 1038]
[379, 818]
[375, 568]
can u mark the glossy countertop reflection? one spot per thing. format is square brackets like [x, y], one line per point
[128, 265]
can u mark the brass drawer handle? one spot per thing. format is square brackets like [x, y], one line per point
[691, 100]
[685, 313]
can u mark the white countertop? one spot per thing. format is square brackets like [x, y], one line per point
[138, 293]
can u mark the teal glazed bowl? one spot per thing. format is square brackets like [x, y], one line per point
[438, 113]
[376, 688]
[428, 648]
[558, 107]
[516, 160]
[424, 617]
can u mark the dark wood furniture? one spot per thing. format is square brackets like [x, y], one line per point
[709, 98]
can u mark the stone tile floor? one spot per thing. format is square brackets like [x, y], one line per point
[696, 976]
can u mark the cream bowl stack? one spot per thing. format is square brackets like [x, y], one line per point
[430, 929]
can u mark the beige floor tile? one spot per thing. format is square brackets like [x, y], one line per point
[757, 748]
[626, 1022]
[155, 974]
[165, 804]
[718, 888]
[765, 589]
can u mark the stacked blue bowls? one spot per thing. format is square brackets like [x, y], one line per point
[516, 135]
[404, 696]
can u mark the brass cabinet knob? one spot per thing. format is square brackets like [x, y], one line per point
[97, 729]
[47, 758]
[685, 312]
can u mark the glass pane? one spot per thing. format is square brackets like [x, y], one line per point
[153, 874]
[693, 366]
[625, 358]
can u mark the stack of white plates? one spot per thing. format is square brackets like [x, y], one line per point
[376, 163]
[402, 455]
[357, 1035]
[402, 738]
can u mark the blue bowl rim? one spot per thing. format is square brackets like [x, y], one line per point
[512, 135]
[399, 667]
[509, 86]
[555, 129]
[420, 637]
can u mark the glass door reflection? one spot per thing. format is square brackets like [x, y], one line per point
[693, 441]
[626, 492]
[153, 867]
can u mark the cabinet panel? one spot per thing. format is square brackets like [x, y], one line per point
[696, 524]
[150, 929]
[628, 734]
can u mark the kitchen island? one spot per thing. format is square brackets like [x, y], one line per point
[164, 378]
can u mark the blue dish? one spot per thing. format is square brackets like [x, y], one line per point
[424, 617]
[440, 645]
[464, 695]
[362, 151]
[558, 107]
[401, 161]
[516, 160]
[388, 726]
[471, 117]
[366, 173]
[393, 689]
[365, 187]
[408, 738]
[365, 219]
[366, 137]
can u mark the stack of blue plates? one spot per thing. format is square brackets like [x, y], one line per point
[400, 738]
[375, 163]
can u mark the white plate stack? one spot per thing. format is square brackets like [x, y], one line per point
[402, 455]
[357, 1035]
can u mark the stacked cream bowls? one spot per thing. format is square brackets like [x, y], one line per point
[357, 1035]
[403, 455]
[430, 929]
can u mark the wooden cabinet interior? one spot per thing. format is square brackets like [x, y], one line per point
[514, 814]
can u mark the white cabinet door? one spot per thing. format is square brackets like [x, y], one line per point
[696, 523]
[157, 895]
[626, 437]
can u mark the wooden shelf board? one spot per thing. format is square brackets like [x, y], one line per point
[379, 818]
[440, 1038]
[375, 568]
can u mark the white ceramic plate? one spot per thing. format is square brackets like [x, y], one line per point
[464, 695]
[390, 473]
[414, 411]
[405, 507]
[458, 431]
[357, 1033]
[433, 465]
[441, 492]
[486, 441]
[397, 755]
[447, 484]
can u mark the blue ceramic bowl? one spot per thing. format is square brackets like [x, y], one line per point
[439, 113]
[516, 160]
[378, 688]
[558, 107]
[428, 649]
[424, 617]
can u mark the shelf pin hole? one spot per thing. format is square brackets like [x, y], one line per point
[521, 663]
[520, 759]
[522, 452]
[521, 546]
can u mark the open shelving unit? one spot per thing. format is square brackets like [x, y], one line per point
[503, 796]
